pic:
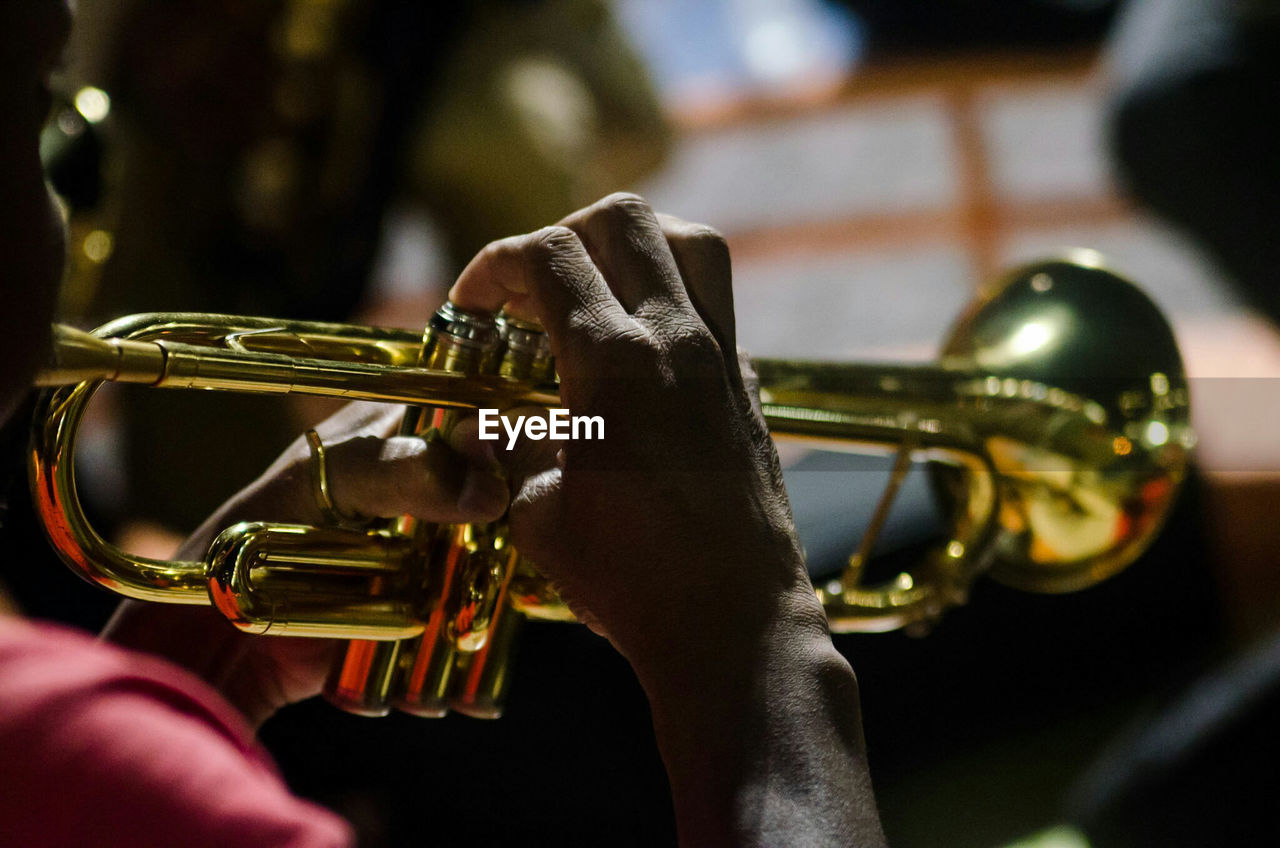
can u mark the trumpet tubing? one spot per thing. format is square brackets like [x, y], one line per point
[1055, 458]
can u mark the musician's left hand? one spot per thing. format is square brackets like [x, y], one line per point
[372, 473]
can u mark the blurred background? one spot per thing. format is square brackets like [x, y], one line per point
[871, 163]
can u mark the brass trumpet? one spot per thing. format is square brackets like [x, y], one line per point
[1055, 423]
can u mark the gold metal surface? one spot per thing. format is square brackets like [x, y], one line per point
[1055, 422]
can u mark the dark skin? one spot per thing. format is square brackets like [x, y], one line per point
[672, 536]
[31, 241]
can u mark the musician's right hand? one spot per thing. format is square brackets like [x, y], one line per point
[678, 514]
[672, 535]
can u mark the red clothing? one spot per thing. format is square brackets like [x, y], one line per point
[100, 746]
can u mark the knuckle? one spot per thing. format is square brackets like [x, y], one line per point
[492, 251]
[712, 248]
[693, 345]
[706, 237]
[623, 208]
[552, 241]
[624, 200]
[635, 341]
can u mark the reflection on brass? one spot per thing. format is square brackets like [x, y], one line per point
[1055, 422]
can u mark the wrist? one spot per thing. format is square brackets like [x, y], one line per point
[737, 658]
[723, 631]
[745, 751]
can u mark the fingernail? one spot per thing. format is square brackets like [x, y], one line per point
[483, 494]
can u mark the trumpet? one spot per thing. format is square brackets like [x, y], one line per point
[1055, 425]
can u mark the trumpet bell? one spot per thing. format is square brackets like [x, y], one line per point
[1093, 441]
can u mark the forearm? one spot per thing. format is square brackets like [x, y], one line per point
[774, 757]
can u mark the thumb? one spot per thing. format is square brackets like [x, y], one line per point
[440, 479]
[370, 474]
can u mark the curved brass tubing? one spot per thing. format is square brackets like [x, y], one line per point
[266, 578]
[1055, 455]
[53, 487]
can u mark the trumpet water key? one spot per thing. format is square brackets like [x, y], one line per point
[1055, 425]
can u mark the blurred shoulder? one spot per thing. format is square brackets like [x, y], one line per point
[99, 741]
